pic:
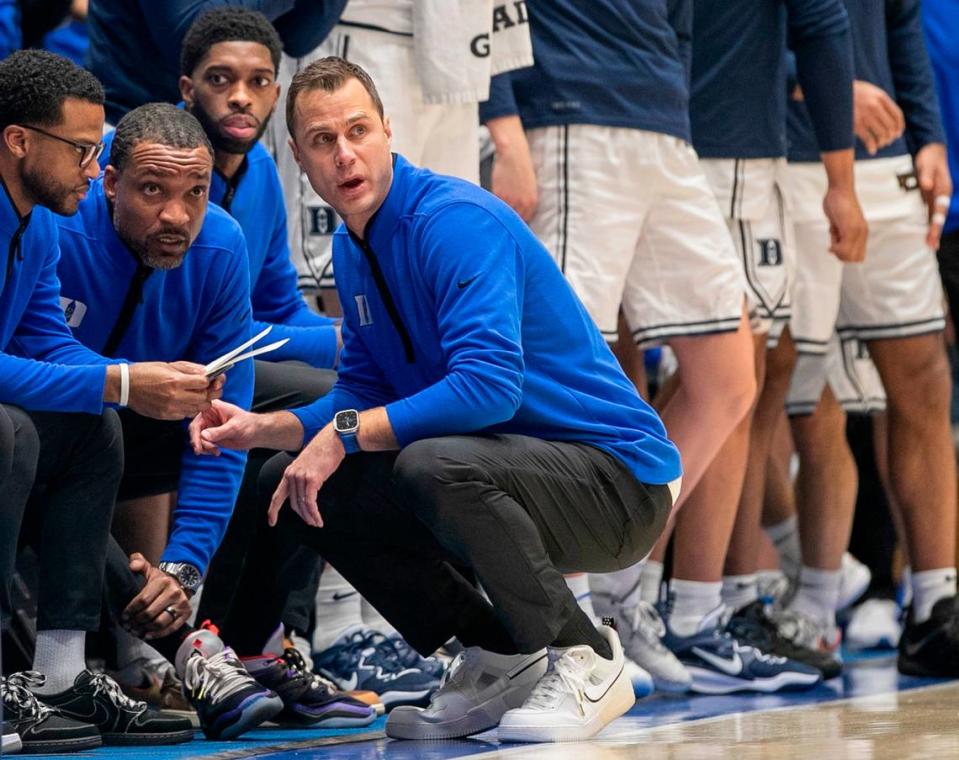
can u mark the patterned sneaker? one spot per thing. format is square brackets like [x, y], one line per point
[227, 698]
[719, 664]
[753, 625]
[156, 683]
[932, 648]
[96, 698]
[38, 728]
[352, 663]
[874, 624]
[580, 694]
[641, 630]
[306, 699]
[806, 631]
[477, 691]
[409, 657]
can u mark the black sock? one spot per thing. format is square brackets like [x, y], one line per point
[579, 629]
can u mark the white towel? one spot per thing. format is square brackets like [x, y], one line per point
[460, 44]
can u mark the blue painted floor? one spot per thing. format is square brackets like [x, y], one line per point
[863, 676]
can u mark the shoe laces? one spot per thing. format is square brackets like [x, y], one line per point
[294, 660]
[215, 677]
[15, 691]
[802, 629]
[566, 675]
[101, 683]
[647, 623]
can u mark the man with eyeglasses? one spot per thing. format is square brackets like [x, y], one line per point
[60, 444]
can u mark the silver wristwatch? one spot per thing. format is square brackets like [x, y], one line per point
[185, 574]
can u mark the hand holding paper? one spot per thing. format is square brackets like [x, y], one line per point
[228, 360]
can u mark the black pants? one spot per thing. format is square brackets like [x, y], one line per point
[282, 385]
[59, 475]
[516, 511]
[949, 269]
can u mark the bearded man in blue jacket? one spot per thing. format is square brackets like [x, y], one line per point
[478, 420]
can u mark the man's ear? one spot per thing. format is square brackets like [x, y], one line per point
[110, 178]
[186, 90]
[15, 140]
[388, 128]
[296, 153]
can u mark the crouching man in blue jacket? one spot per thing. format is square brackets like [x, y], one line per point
[478, 421]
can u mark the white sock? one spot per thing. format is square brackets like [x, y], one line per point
[579, 585]
[765, 579]
[928, 587]
[130, 649]
[785, 536]
[622, 587]
[818, 594]
[905, 587]
[373, 619]
[60, 656]
[338, 608]
[650, 579]
[692, 603]
[739, 590]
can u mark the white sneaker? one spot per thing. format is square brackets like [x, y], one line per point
[477, 690]
[854, 581]
[874, 625]
[578, 697]
[641, 630]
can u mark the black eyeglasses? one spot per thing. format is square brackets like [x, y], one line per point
[88, 151]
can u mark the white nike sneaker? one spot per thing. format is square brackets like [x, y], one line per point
[578, 697]
[478, 688]
[853, 582]
[874, 624]
[641, 630]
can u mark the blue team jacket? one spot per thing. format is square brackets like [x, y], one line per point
[42, 366]
[195, 312]
[487, 336]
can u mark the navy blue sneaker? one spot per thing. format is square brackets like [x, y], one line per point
[406, 655]
[308, 700]
[356, 662]
[227, 699]
[721, 664]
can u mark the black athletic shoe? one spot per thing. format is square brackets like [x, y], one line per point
[40, 728]
[932, 648]
[308, 699]
[752, 625]
[96, 698]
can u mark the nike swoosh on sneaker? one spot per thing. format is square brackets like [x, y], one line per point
[347, 684]
[912, 648]
[337, 596]
[596, 692]
[732, 666]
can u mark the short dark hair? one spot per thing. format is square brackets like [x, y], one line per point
[34, 84]
[160, 123]
[227, 25]
[328, 74]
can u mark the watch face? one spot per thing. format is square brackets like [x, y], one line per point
[189, 576]
[346, 422]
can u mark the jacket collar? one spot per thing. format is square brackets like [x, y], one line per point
[380, 227]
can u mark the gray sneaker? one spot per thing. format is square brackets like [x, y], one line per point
[477, 690]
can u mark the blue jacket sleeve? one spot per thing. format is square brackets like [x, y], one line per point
[360, 384]
[10, 36]
[912, 74]
[45, 368]
[479, 326]
[819, 36]
[501, 100]
[209, 485]
[308, 24]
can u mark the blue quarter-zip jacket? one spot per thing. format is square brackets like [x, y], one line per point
[42, 366]
[738, 102]
[889, 52]
[486, 336]
[254, 197]
[196, 312]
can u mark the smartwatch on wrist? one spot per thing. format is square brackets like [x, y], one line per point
[185, 574]
[347, 425]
